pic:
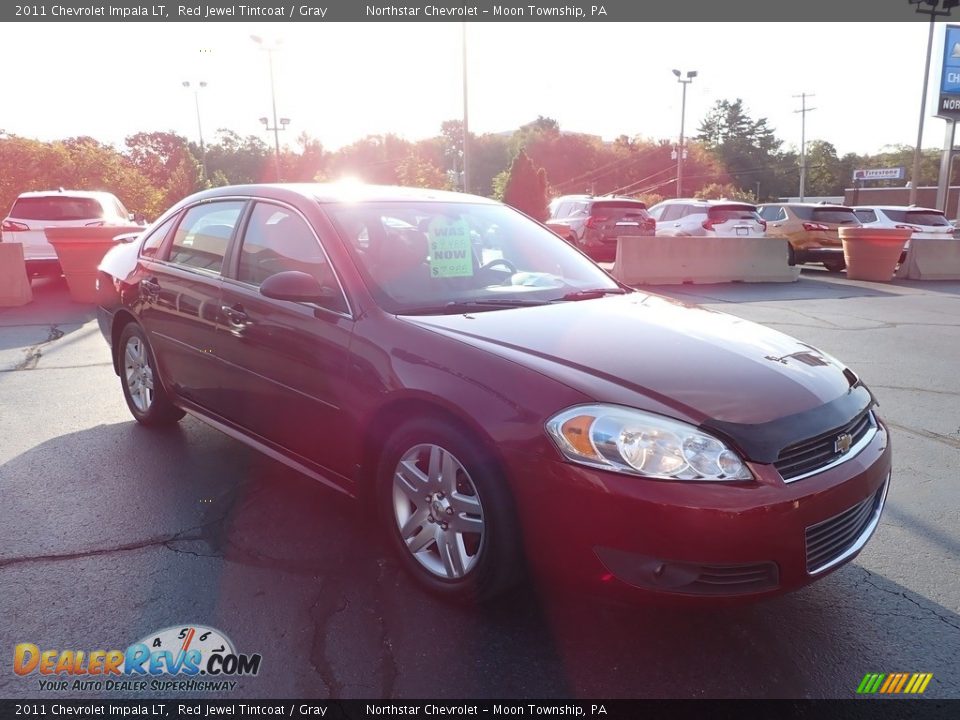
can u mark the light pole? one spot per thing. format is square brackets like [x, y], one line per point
[196, 100]
[934, 13]
[466, 131]
[282, 125]
[683, 117]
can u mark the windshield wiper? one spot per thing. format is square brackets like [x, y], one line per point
[467, 305]
[591, 294]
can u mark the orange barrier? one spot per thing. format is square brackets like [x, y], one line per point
[14, 282]
[872, 253]
[660, 260]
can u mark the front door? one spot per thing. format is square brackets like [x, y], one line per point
[284, 363]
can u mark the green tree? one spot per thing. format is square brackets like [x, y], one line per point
[746, 148]
[526, 187]
[166, 160]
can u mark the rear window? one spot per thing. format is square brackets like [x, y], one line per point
[722, 213]
[56, 208]
[918, 217]
[833, 215]
[619, 205]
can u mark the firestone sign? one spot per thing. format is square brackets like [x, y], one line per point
[949, 105]
[894, 173]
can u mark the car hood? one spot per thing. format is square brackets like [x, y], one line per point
[714, 368]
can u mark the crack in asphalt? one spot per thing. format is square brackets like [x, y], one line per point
[928, 435]
[322, 612]
[952, 393]
[867, 578]
[55, 367]
[389, 670]
[35, 352]
[161, 541]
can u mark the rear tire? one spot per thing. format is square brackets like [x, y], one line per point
[142, 389]
[835, 266]
[448, 512]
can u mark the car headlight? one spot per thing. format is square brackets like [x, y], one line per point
[641, 443]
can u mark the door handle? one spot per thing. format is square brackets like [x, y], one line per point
[235, 314]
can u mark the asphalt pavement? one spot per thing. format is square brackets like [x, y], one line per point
[110, 531]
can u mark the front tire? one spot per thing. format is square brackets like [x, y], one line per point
[147, 400]
[448, 512]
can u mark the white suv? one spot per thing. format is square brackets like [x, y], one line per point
[32, 212]
[908, 217]
[707, 218]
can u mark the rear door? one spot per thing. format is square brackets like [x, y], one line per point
[284, 363]
[179, 289]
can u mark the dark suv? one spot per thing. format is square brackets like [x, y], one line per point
[593, 224]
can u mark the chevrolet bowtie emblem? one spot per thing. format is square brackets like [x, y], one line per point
[843, 443]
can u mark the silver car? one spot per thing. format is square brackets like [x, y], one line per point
[704, 218]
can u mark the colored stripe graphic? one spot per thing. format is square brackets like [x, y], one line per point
[894, 683]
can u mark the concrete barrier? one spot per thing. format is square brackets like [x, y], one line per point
[14, 282]
[660, 260]
[931, 257]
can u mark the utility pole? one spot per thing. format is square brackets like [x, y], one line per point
[803, 140]
[681, 150]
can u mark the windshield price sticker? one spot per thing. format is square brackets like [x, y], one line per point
[451, 254]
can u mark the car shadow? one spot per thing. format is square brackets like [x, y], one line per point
[111, 533]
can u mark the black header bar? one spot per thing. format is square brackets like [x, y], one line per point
[739, 11]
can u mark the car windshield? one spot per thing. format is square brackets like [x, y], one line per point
[60, 208]
[445, 257]
[918, 217]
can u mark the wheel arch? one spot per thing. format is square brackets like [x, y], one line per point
[389, 416]
[121, 319]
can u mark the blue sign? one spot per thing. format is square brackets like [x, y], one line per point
[950, 79]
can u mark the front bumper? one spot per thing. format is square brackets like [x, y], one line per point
[697, 539]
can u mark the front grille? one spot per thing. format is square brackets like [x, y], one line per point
[830, 540]
[816, 453]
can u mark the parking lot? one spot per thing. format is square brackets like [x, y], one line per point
[109, 531]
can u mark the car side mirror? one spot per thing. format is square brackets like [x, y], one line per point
[296, 286]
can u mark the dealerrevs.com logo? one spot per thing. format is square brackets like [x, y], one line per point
[204, 657]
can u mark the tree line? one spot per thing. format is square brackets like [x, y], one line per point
[732, 155]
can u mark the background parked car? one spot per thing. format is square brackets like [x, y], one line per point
[920, 220]
[593, 224]
[811, 229]
[33, 212]
[691, 217]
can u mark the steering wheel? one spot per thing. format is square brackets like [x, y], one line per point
[500, 261]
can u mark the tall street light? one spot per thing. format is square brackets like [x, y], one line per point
[466, 130]
[927, 7]
[269, 47]
[681, 151]
[196, 100]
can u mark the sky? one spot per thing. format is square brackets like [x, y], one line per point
[341, 81]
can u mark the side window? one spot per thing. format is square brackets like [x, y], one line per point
[866, 216]
[561, 210]
[201, 238]
[276, 240]
[771, 212]
[153, 242]
[672, 212]
[656, 212]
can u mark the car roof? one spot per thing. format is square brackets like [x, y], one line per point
[806, 204]
[898, 207]
[344, 192]
[95, 194]
[596, 198]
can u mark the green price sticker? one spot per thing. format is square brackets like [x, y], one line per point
[451, 254]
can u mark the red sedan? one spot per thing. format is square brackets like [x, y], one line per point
[494, 396]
